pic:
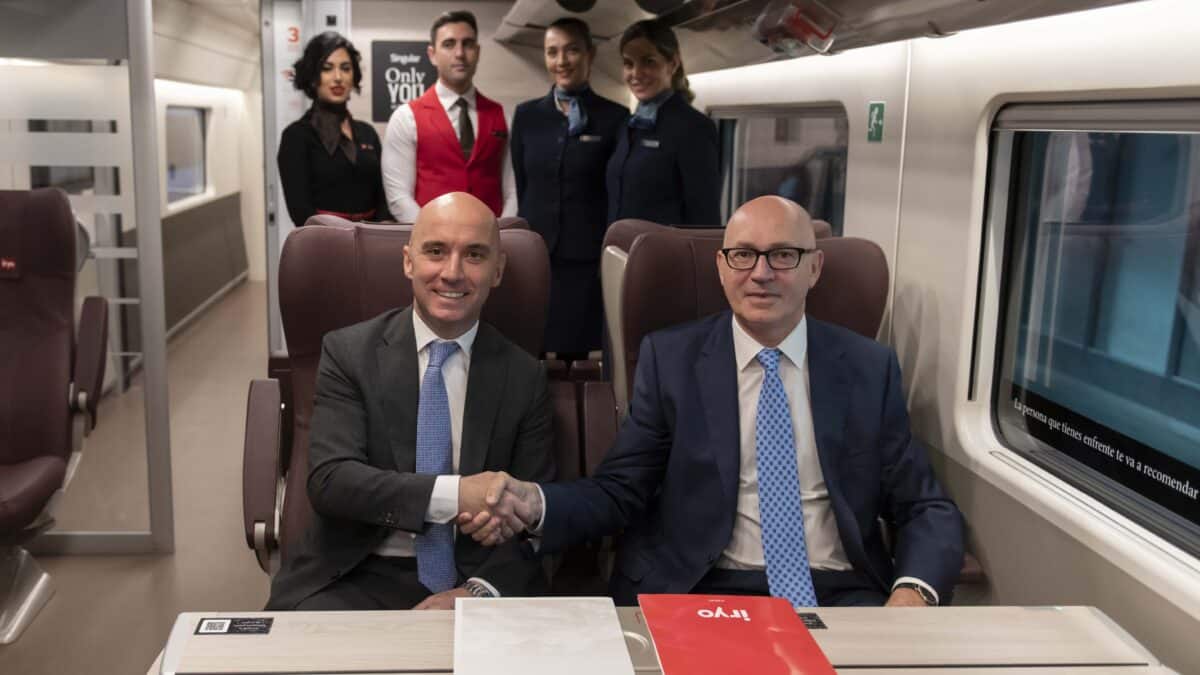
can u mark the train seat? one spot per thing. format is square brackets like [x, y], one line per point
[822, 229]
[330, 277]
[618, 240]
[53, 379]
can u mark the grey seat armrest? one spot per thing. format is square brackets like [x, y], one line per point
[261, 472]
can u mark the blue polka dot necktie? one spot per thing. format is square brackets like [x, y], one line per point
[786, 554]
[435, 548]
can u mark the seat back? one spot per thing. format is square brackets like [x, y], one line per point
[822, 229]
[671, 277]
[512, 223]
[37, 331]
[618, 240]
[332, 277]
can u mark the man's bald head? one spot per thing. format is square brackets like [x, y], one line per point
[454, 260]
[459, 208]
[768, 298]
[776, 211]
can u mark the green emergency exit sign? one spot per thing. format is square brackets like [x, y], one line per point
[875, 122]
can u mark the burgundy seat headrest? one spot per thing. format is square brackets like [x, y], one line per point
[335, 276]
[37, 323]
[852, 291]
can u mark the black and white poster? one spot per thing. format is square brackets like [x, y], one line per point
[400, 72]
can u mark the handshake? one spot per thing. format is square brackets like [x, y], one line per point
[494, 507]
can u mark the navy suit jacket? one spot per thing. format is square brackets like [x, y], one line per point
[560, 178]
[670, 174]
[670, 480]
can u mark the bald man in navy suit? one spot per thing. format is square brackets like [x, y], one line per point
[761, 451]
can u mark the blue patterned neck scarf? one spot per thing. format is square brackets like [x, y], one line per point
[646, 115]
[576, 115]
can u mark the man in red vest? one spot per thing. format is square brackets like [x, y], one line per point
[452, 138]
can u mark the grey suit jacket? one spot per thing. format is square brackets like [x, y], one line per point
[362, 481]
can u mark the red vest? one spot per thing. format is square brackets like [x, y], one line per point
[440, 164]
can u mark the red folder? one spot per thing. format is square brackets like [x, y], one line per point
[697, 634]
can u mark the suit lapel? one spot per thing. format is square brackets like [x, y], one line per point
[716, 374]
[829, 391]
[485, 388]
[829, 387]
[397, 358]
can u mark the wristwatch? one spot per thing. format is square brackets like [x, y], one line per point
[477, 589]
[921, 590]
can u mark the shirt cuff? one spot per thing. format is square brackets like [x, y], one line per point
[922, 584]
[485, 584]
[536, 530]
[443, 503]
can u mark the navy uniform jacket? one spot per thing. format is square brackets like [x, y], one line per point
[671, 478]
[560, 178]
[670, 174]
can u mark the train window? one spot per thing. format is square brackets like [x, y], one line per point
[798, 153]
[186, 176]
[1099, 372]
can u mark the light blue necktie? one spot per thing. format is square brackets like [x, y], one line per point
[786, 554]
[576, 115]
[646, 114]
[435, 548]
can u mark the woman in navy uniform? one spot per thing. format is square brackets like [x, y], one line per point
[665, 167]
[328, 161]
[560, 147]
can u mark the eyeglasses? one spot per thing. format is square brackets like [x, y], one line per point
[784, 258]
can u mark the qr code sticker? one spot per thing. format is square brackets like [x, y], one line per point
[213, 626]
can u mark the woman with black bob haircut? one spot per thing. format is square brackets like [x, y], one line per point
[665, 167]
[328, 161]
[560, 147]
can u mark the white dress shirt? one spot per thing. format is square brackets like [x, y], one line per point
[443, 503]
[745, 550]
[399, 161]
[821, 536]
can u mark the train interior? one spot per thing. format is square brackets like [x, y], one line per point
[1030, 170]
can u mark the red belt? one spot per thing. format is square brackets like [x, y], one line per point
[365, 215]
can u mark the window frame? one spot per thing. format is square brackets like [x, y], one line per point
[206, 186]
[729, 177]
[1001, 206]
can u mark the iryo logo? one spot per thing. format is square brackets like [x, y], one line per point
[720, 613]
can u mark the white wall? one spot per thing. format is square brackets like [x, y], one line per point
[195, 47]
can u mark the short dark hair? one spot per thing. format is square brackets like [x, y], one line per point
[575, 27]
[457, 16]
[308, 69]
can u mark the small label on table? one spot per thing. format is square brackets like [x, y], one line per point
[812, 621]
[238, 626]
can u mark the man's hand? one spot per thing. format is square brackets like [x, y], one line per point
[509, 507]
[905, 597]
[473, 490]
[443, 600]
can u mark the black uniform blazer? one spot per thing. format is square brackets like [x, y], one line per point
[362, 453]
[313, 179]
[560, 178]
[669, 174]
